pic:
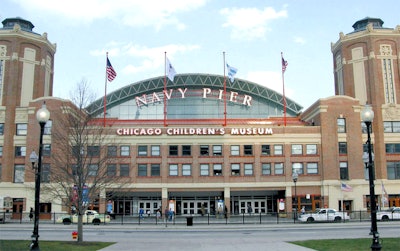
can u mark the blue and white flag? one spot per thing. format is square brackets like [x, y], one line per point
[170, 71]
[231, 72]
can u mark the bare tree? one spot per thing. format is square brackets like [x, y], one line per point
[79, 156]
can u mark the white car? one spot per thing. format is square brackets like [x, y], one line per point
[324, 215]
[90, 216]
[392, 214]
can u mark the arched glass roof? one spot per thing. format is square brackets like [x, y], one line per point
[193, 96]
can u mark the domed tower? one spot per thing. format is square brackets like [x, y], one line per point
[366, 67]
[366, 63]
[26, 63]
[26, 74]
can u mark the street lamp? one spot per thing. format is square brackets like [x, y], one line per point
[42, 116]
[294, 177]
[367, 115]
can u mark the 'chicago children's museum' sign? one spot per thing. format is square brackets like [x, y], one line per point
[193, 131]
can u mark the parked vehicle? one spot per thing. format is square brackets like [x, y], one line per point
[324, 215]
[90, 216]
[392, 214]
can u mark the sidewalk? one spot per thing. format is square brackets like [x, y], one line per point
[184, 238]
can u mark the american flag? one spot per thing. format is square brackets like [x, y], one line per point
[346, 188]
[284, 65]
[111, 74]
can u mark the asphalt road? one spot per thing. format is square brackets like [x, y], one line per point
[203, 237]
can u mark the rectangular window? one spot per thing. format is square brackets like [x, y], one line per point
[393, 170]
[297, 167]
[173, 170]
[204, 150]
[45, 176]
[387, 127]
[125, 151]
[297, 149]
[204, 170]
[1, 151]
[1, 128]
[217, 169]
[266, 168]
[124, 170]
[396, 126]
[142, 150]
[312, 168]
[278, 149]
[235, 169]
[186, 170]
[217, 150]
[173, 150]
[278, 168]
[235, 150]
[47, 127]
[93, 151]
[344, 171]
[342, 147]
[20, 151]
[248, 150]
[22, 129]
[265, 150]
[155, 151]
[142, 170]
[111, 151]
[248, 169]
[46, 151]
[19, 173]
[392, 148]
[74, 169]
[155, 169]
[311, 149]
[92, 169]
[341, 125]
[111, 170]
[186, 150]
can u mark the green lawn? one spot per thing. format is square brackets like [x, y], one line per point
[18, 245]
[388, 244]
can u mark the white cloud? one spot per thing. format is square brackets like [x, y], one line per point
[270, 79]
[250, 23]
[149, 13]
[299, 40]
[149, 58]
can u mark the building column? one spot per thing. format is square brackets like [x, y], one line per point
[227, 199]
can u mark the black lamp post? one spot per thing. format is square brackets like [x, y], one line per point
[294, 177]
[367, 115]
[42, 116]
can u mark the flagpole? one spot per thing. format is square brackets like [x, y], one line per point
[165, 88]
[284, 97]
[224, 89]
[105, 94]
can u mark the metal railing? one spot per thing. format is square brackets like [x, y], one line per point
[153, 219]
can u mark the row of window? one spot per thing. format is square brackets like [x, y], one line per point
[207, 150]
[388, 126]
[236, 169]
[22, 128]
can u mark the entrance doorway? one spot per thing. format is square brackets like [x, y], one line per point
[18, 208]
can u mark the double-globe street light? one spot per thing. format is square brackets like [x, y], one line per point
[367, 115]
[42, 116]
[295, 176]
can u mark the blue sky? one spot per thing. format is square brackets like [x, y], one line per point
[195, 33]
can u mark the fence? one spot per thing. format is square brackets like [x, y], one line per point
[152, 219]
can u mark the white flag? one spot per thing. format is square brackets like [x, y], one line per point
[170, 71]
[231, 72]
